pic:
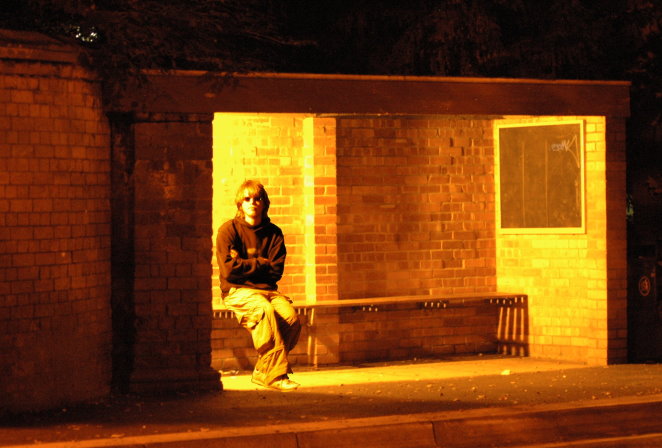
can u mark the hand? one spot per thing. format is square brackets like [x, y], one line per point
[234, 253]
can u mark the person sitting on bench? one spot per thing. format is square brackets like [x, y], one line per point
[251, 253]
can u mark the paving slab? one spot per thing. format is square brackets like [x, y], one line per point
[405, 404]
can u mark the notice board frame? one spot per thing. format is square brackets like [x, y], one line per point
[561, 141]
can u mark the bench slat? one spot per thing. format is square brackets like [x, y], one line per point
[455, 298]
[462, 298]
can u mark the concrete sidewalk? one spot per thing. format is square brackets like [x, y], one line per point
[472, 402]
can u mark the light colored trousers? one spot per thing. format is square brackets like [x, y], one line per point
[274, 326]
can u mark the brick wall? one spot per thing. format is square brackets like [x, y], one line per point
[566, 276]
[416, 214]
[616, 342]
[363, 334]
[268, 148]
[291, 155]
[407, 331]
[55, 329]
[172, 289]
[415, 206]
[321, 208]
[370, 205]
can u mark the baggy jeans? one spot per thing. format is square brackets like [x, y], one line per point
[274, 326]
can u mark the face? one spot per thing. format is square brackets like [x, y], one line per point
[252, 206]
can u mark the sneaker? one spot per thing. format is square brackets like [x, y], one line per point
[284, 384]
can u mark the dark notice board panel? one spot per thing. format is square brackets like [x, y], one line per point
[541, 166]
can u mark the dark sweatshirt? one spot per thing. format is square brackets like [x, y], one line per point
[261, 258]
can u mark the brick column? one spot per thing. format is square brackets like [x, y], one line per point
[172, 181]
[321, 237]
[321, 203]
[616, 241]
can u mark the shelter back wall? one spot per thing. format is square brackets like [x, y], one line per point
[415, 206]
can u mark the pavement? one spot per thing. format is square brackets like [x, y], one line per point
[456, 402]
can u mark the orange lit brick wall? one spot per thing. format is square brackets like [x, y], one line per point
[567, 276]
[268, 148]
[416, 213]
[348, 335]
[321, 209]
[405, 332]
[294, 157]
[55, 330]
[415, 206]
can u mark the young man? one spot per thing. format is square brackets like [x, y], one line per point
[250, 250]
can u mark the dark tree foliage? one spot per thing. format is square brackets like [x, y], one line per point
[120, 38]
[571, 39]
[554, 39]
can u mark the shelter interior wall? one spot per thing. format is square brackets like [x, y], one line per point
[416, 214]
[415, 206]
[565, 275]
[268, 148]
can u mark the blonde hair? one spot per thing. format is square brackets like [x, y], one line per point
[256, 190]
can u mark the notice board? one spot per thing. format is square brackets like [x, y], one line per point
[541, 177]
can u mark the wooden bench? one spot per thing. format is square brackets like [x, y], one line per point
[424, 301]
[373, 304]
[509, 320]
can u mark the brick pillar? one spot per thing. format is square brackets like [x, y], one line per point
[321, 237]
[616, 241]
[171, 294]
[321, 203]
[122, 254]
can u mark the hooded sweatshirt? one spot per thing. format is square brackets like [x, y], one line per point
[261, 255]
